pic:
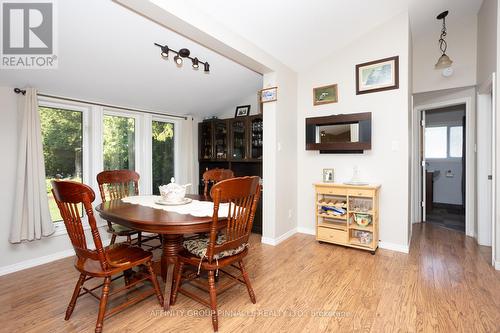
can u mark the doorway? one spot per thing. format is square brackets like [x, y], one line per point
[486, 164]
[444, 167]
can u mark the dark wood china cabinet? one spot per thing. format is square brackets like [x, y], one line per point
[235, 144]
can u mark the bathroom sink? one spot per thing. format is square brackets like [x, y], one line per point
[434, 172]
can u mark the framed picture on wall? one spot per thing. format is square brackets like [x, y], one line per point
[378, 75]
[269, 95]
[242, 111]
[325, 95]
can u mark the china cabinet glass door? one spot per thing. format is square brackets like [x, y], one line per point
[238, 143]
[206, 143]
[256, 128]
[221, 140]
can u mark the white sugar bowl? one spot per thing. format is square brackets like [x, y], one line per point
[173, 192]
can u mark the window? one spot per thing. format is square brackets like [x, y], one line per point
[443, 142]
[456, 141]
[436, 142]
[118, 142]
[62, 138]
[162, 153]
[80, 140]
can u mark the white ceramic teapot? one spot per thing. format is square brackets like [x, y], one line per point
[173, 192]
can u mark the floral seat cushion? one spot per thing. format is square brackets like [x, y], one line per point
[198, 247]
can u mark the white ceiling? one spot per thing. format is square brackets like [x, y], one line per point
[423, 13]
[300, 33]
[106, 54]
[106, 51]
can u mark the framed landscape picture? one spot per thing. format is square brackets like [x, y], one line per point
[378, 75]
[325, 95]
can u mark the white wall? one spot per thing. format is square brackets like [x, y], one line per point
[251, 100]
[387, 162]
[486, 40]
[26, 253]
[461, 38]
[496, 239]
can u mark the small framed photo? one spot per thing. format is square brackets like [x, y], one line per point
[269, 95]
[378, 75]
[328, 176]
[325, 95]
[242, 111]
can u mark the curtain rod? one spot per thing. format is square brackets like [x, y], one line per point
[21, 91]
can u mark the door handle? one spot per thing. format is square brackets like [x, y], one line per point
[490, 177]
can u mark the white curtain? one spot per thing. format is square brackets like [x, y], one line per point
[187, 159]
[31, 217]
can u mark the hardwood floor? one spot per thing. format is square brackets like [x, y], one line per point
[445, 284]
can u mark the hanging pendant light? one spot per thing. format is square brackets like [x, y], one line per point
[444, 61]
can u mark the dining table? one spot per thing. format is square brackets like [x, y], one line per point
[172, 227]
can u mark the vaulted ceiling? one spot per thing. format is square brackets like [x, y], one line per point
[106, 51]
[300, 33]
[106, 54]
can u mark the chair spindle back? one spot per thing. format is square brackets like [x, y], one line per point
[117, 184]
[242, 194]
[69, 196]
[214, 176]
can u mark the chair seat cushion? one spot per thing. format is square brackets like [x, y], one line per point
[120, 230]
[198, 247]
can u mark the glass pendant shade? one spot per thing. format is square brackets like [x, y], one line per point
[443, 62]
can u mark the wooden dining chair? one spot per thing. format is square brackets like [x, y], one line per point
[117, 184]
[221, 250]
[102, 262]
[214, 176]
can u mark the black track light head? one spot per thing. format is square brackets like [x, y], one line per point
[164, 51]
[206, 67]
[196, 63]
[178, 60]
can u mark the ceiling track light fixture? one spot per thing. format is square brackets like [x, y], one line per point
[180, 55]
[444, 62]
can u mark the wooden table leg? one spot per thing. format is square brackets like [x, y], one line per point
[172, 244]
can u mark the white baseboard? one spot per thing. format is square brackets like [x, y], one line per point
[394, 247]
[307, 231]
[497, 265]
[36, 261]
[41, 260]
[276, 241]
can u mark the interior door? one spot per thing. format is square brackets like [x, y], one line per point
[493, 168]
[423, 166]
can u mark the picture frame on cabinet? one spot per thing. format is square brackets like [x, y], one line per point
[242, 111]
[328, 175]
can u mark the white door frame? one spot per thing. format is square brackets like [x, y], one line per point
[487, 88]
[470, 157]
